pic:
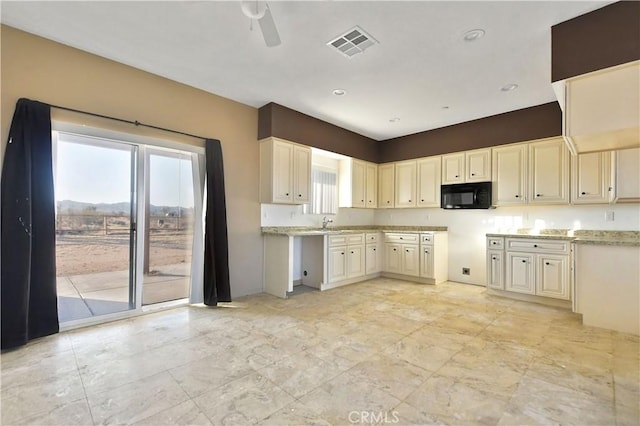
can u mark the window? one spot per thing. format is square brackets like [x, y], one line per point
[324, 191]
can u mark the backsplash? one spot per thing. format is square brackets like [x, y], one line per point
[287, 215]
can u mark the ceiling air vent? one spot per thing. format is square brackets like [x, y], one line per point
[352, 42]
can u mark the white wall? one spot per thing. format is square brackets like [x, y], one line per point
[467, 229]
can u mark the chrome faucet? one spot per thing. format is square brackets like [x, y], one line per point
[325, 222]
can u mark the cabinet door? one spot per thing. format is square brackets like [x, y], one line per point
[410, 260]
[520, 276]
[429, 182]
[386, 185]
[549, 172]
[355, 261]
[553, 276]
[392, 258]
[301, 175]
[627, 186]
[358, 183]
[372, 259]
[453, 168]
[495, 269]
[591, 178]
[509, 171]
[337, 264]
[478, 165]
[282, 172]
[426, 262]
[406, 184]
[371, 185]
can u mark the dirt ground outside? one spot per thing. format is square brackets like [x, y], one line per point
[88, 254]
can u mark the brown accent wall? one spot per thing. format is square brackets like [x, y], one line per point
[282, 122]
[43, 70]
[516, 126]
[600, 39]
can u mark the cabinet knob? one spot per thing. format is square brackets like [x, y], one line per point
[362, 201]
[538, 195]
[287, 194]
[583, 193]
[494, 242]
[299, 195]
[472, 174]
[524, 261]
[409, 200]
[426, 251]
[407, 251]
[394, 249]
[547, 263]
[343, 253]
[422, 201]
[610, 188]
[457, 176]
[535, 245]
[493, 258]
[351, 252]
[517, 196]
[374, 249]
[401, 238]
[388, 201]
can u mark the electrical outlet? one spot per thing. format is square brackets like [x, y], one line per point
[466, 271]
[609, 216]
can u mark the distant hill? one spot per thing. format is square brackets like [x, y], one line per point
[71, 207]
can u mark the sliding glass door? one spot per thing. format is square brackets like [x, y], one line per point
[128, 225]
[95, 188]
[169, 219]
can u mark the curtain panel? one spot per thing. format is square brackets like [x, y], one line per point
[216, 249]
[28, 257]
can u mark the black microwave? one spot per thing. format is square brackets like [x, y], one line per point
[475, 195]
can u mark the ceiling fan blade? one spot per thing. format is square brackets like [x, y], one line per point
[268, 28]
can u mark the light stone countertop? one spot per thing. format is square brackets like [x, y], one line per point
[583, 236]
[332, 230]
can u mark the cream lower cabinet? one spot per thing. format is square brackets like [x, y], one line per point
[372, 254]
[346, 257]
[539, 267]
[420, 257]
[402, 254]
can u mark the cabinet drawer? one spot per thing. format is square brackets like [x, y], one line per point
[337, 240]
[401, 238]
[354, 239]
[426, 239]
[371, 238]
[537, 246]
[495, 243]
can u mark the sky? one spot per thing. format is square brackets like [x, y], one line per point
[94, 174]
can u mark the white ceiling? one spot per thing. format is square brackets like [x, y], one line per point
[421, 64]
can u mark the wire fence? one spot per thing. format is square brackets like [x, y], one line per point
[102, 224]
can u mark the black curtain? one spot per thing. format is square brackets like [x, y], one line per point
[28, 257]
[216, 247]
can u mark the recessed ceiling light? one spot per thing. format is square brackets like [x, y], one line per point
[339, 92]
[394, 120]
[473, 35]
[509, 87]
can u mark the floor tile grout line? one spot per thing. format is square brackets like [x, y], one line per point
[84, 389]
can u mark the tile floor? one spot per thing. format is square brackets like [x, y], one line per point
[382, 351]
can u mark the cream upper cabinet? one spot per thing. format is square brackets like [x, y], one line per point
[405, 185]
[627, 176]
[358, 184]
[453, 168]
[509, 170]
[301, 174]
[371, 185]
[386, 185]
[591, 178]
[478, 165]
[428, 180]
[549, 172]
[285, 172]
